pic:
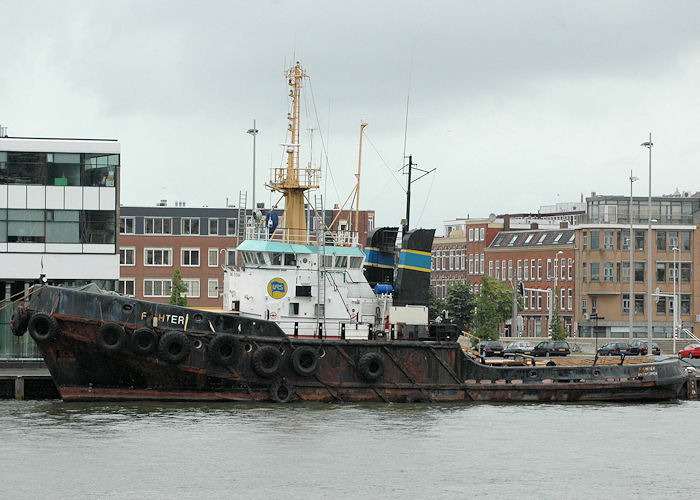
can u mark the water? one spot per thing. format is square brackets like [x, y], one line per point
[52, 449]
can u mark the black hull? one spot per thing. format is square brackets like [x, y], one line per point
[403, 371]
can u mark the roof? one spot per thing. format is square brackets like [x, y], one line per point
[534, 238]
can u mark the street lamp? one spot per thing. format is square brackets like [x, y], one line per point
[648, 144]
[254, 132]
[676, 303]
[631, 269]
[552, 292]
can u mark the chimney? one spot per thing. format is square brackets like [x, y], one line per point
[506, 222]
[162, 203]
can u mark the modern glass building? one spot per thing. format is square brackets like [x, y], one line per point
[59, 201]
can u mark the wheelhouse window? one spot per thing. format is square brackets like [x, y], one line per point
[355, 262]
[341, 261]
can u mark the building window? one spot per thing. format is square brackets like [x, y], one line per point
[569, 270]
[539, 301]
[532, 269]
[625, 303]
[661, 241]
[481, 264]
[491, 268]
[192, 288]
[214, 226]
[584, 305]
[189, 226]
[212, 288]
[157, 225]
[661, 305]
[127, 256]
[471, 234]
[370, 222]
[549, 269]
[570, 299]
[639, 241]
[157, 288]
[685, 241]
[685, 303]
[520, 270]
[231, 227]
[639, 272]
[127, 287]
[230, 256]
[213, 259]
[481, 233]
[608, 273]
[595, 240]
[562, 298]
[594, 306]
[526, 274]
[503, 270]
[584, 240]
[595, 271]
[685, 272]
[562, 269]
[126, 225]
[189, 257]
[584, 272]
[608, 240]
[497, 268]
[639, 304]
[661, 272]
[471, 264]
[539, 269]
[158, 256]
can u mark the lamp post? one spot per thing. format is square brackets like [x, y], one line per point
[648, 144]
[254, 132]
[676, 303]
[552, 298]
[631, 269]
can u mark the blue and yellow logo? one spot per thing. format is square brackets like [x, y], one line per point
[277, 288]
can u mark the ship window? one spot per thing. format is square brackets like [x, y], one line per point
[327, 261]
[290, 259]
[276, 259]
[260, 258]
[294, 308]
[355, 262]
[341, 261]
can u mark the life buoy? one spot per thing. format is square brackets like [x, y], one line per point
[173, 347]
[266, 361]
[19, 321]
[281, 391]
[110, 337]
[305, 361]
[144, 341]
[371, 366]
[224, 349]
[42, 327]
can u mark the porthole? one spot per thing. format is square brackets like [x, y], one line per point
[127, 307]
[197, 344]
[198, 318]
[532, 374]
[248, 347]
[321, 353]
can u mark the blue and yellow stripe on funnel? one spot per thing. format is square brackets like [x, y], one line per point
[414, 260]
[376, 258]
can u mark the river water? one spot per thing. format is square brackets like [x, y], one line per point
[51, 449]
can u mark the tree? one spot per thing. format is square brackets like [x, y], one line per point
[494, 305]
[461, 303]
[558, 331]
[178, 293]
[435, 305]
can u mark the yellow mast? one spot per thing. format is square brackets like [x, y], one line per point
[357, 187]
[293, 181]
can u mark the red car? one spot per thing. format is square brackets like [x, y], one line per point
[690, 351]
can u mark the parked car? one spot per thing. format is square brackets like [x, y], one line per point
[690, 351]
[491, 348]
[519, 347]
[614, 349]
[642, 347]
[552, 348]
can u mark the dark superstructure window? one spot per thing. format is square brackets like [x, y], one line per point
[58, 169]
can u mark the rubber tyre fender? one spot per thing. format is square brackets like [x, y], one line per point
[110, 338]
[144, 341]
[43, 327]
[281, 391]
[305, 361]
[224, 349]
[371, 366]
[19, 321]
[266, 361]
[173, 347]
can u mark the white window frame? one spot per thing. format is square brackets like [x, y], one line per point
[235, 221]
[215, 252]
[189, 231]
[189, 282]
[209, 222]
[503, 270]
[569, 298]
[481, 234]
[166, 251]
[569, 270]
[190, 250]
[532, 269]
[162, 281]
[122, 286]
[228, 251]
[215, 293]
[539, 269]
[491, 268]
[162, 222]
[133, 224]
[562, 297]
[127, 251]
[471, 263]
[481, 264]
[471, 234]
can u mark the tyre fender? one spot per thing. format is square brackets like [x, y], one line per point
[266, 361]
[305, 361]
[110, 337]
[43, 327]
[173, 347]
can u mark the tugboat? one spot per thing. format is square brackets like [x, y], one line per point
[306, 324]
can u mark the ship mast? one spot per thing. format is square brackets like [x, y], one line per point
[293, 181]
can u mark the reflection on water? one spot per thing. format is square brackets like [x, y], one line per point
[223, 450]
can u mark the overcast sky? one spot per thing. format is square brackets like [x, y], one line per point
[516, 104]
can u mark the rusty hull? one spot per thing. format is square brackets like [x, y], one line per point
[414, 371]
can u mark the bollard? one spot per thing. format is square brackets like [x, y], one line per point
[296, 329]
[320, 330]
[369, 332]
[342, 331]
[19, 388]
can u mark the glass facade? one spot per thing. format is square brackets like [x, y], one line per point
[58, 169]
[616, 210]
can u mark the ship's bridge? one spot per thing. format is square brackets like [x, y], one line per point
[272, 254]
